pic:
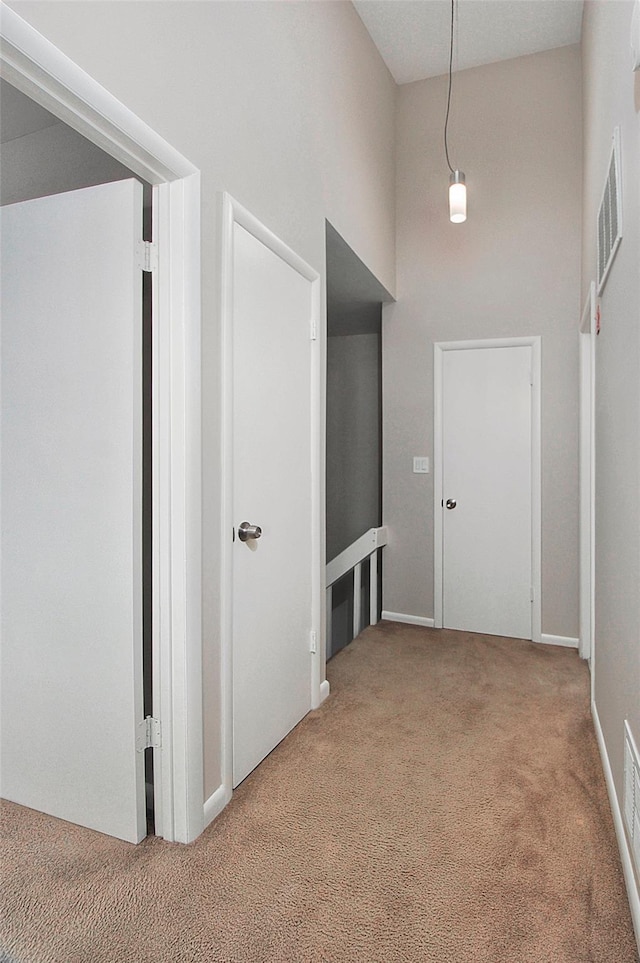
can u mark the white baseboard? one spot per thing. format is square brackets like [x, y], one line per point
[409, 619]
[429, 623]
[633, 892]
[559, 640]
[325, 689]
[216, 803]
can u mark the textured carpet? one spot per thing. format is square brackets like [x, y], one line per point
[446, 805]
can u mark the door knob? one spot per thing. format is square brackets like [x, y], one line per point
[247, 531]
[451, 503]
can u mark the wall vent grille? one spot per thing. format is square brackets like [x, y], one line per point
[610, 214]
[631, 794]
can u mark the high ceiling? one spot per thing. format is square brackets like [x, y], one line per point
[413, 35]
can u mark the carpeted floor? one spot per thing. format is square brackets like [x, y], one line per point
[445, 805]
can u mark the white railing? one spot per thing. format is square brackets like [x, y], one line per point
[366, 547]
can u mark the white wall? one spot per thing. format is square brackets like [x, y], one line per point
[513, 269]
[287, 106]
[612, 98]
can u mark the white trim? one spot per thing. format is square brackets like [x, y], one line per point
[587, 336]
[318, 475]
[39, 69]
[328, 638]
[430, 623]
[437, 488]
[563, 640]
[231, 212]
[179, 464]
[216, 802]
[357, 552]
[357, 598]
[373, 588]
[408, 619]
[226, 504]
[633, 892]
[439, 347]
[36, 67]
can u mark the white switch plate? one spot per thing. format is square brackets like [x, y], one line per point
[421, 465]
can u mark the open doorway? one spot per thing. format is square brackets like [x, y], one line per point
[354, 424]
[42, 157]
[52, 80]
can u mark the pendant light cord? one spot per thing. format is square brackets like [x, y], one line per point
[446, 122]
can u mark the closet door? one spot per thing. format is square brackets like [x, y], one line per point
[71, 507]
[487, 476]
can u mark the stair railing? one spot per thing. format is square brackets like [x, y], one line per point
[368, 546]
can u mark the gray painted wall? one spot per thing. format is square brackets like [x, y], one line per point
[354, 418]
[354, 455]
[51, 161]
[353, 437]
[612, 98]
[513, 269]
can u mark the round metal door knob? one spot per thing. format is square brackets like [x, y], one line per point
[247, 531]
[451, 503]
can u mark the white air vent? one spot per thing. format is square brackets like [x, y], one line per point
[631, 794]
[610, 214]
[636, 827]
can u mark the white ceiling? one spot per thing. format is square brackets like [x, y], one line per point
[413, 35]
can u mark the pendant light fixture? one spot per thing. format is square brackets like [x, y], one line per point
[457, 185]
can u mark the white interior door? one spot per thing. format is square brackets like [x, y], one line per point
[272, 611]
[486, 505]
[71, 507]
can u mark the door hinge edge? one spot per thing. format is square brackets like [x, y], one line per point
[147, 256]
[313, 330]
[149, 734]
[313, 641]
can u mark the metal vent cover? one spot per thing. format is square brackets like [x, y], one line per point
[610, 214]
[631, 794]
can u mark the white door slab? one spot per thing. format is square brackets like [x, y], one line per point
[71, 507]
[273, 439]
[486, 410]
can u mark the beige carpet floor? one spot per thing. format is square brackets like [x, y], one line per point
[446, 804]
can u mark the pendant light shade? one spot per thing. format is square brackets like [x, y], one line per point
[457, 197]
[457, 185]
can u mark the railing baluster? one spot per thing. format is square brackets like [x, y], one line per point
[350, 560]
[373, 588]
[357, 598]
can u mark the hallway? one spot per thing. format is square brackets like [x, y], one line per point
[446, 804]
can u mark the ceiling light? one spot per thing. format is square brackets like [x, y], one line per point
[457, 185]
[457, 197]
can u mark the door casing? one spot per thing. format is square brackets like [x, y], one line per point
[536, 485]
[37, 68]
[588, 334]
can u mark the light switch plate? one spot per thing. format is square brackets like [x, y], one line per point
[421, 465]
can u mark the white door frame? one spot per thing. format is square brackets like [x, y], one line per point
[37, 68]
[588, 333]
[439, 348]
[234, 213]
